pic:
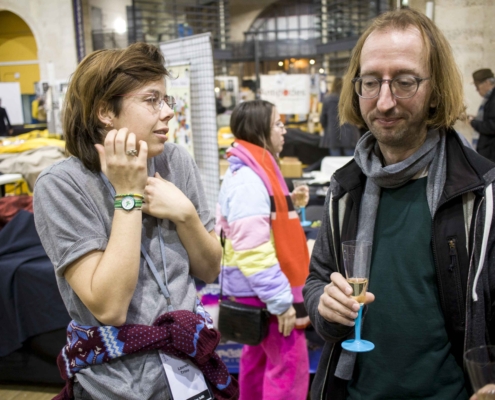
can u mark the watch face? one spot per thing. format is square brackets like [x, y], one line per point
[128, 203]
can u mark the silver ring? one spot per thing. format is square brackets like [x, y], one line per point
[133, 152]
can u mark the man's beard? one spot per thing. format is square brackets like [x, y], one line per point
[407, 133]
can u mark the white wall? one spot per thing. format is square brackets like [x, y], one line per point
[10, 93]
[468, 25]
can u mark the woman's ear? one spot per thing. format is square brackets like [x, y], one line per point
[106, 116]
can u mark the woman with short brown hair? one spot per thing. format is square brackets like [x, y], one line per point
[126, 224]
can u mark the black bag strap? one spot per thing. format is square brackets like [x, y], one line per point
[222, 242]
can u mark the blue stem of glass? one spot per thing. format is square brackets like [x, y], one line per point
[303, 214]
[357, 327]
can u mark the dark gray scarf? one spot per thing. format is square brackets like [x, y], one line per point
[367, 156]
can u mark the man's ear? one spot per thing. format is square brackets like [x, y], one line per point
[105, 116]
[433, 101]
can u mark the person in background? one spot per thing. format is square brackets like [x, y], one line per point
[126, 225]
[248, 90]
[219, 107]
[484, 121]
[5, 126]
[340, 140]
[266, 256]
[425, 201]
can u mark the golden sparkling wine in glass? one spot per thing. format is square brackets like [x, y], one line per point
[356, 255]
[359, 287]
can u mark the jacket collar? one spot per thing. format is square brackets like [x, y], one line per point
[465, 168]
[350, 177]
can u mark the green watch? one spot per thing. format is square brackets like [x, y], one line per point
[128, 203]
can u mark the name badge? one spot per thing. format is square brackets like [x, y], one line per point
[185, 380]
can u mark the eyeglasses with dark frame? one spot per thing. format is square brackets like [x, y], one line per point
[402, 86]
[156, 103]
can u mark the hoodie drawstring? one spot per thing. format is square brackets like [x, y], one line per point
[486, 233]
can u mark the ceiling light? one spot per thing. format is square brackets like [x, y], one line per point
[120, 25]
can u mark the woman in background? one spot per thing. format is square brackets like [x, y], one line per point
[126, 224]
[266, 255]
[340, 140]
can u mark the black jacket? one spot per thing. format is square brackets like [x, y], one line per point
[486, 129]
[468, 323]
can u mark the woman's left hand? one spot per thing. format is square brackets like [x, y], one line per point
[287, 321]
[164, 200]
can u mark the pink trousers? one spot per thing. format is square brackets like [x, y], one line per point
[276, 369]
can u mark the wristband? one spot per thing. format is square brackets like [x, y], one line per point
[139, 196]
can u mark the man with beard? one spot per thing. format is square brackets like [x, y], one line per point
[425, 200]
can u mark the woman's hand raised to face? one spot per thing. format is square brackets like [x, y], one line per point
[126, 172]
[164, 200]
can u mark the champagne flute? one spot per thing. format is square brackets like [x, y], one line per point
[480, 364]
[301, 199]
[357, 262]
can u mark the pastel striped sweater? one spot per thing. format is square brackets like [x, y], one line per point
[250, 265]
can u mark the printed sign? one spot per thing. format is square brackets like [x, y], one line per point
[289, 93]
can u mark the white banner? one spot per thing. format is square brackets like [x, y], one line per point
[289, 93]
[196, 51]
[179, 86]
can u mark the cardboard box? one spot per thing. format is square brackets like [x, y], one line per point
[291, 167]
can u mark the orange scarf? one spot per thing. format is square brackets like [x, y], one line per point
[290, 240]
